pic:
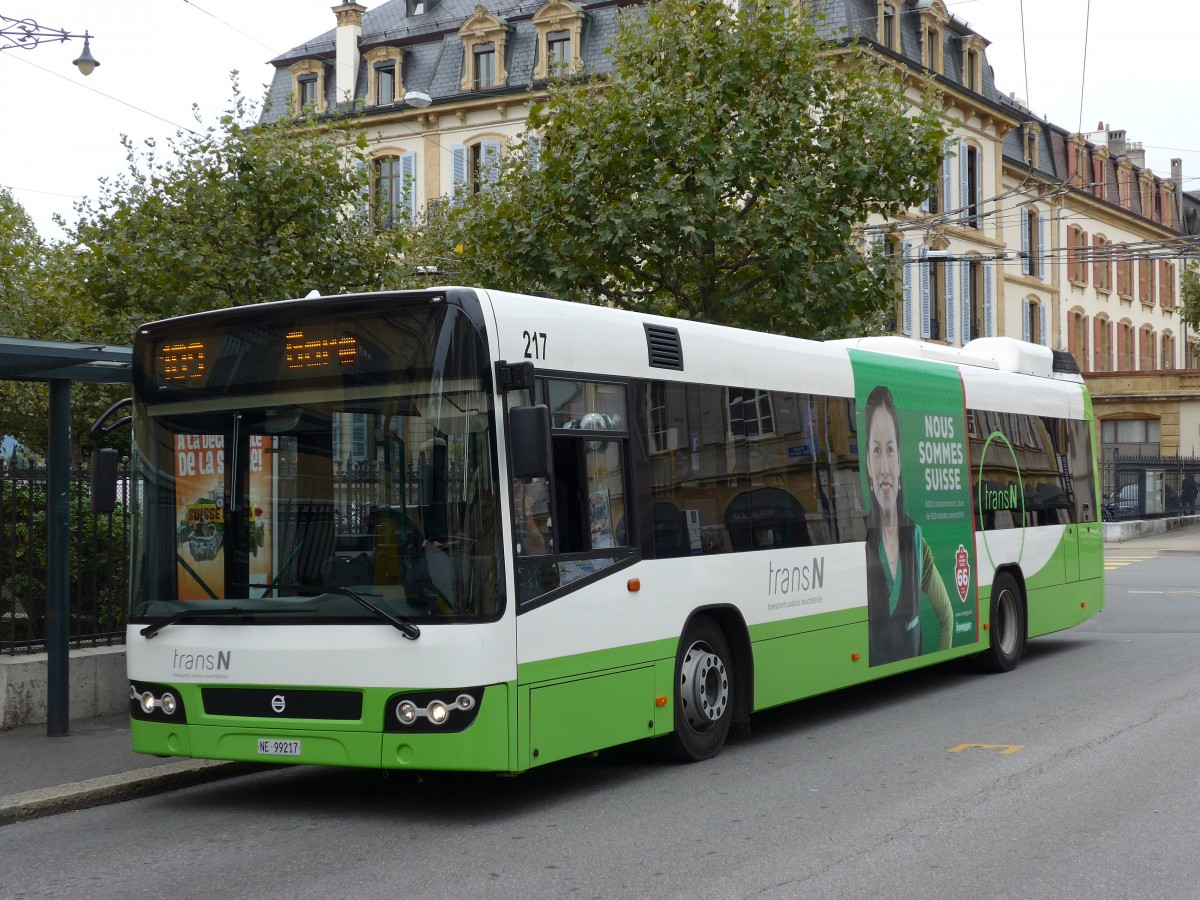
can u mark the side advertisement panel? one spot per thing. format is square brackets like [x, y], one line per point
[921, 572]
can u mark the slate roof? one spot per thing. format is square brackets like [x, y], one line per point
[433, 51]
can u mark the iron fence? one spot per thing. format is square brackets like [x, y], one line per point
[99, 561]
[1149, 487]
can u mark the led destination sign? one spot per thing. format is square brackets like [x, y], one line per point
[190, 363]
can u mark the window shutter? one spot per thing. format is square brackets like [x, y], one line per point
[1120, 347]
[408, 185]
[978, 198]
[907, 269]
[1044, 308]
[1083, 267]
[1084, 331]
[1097, 275]
[947, 178]
[533, 151]
[963, 182]
[987, 299]
[489, 161]
[964, 273]
[1072, 334]
[924, 292]
[951, 273]
[1097, 345]
[458, 167]
[1025, 214]
[1041, 248]
[1025, 335]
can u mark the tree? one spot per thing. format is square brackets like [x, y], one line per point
[1189, 290]
[721, 172]
[237, 213]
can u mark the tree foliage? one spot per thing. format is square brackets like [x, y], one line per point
[722, 172]
[1190, 295]
[236, 213]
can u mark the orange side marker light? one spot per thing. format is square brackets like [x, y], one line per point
[634, 585]
[660, 701]
[855, 657]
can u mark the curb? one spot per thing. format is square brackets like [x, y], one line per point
[15, 808]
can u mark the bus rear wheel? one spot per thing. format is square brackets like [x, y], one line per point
[704, 681]
[1007, 626]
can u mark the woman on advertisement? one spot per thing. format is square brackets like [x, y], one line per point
[900, 565]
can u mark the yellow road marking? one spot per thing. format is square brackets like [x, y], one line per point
[1005, 749]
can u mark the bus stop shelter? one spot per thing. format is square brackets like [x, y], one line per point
[59, 364]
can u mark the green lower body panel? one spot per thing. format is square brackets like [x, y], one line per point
[488, 744]
[1063, 606]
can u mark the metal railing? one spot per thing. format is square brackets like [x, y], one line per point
[99, 561]
[1149, 487]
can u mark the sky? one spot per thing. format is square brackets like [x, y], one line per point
[60, 131]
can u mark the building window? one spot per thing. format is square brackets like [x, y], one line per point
[1166, 280]
[972, 178]
[1077, 242]
[1146, 280]
[973, 284]
[1167, 356]
[1033, 325]
[750, 413]
[889, 24]
[559, 26]
[1102, 345]
[475, 166]
[308, 86]
[416, 7]
[394, 190]
[933, 19]
[1131, 437]
[1126, 352]
[1125, 273]
[1102, 263]
[1077, 339]
[385, 84]
[308, 91]
[1033, 247]
[1033, 133]
[1123, 185]
[972, 63]
[485, 66]
[484, 38]
[1147, 349]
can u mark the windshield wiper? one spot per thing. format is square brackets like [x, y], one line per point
[151, 630]
[408, 629]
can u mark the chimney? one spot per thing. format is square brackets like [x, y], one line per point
[349, 30]
[1116, 142]
[1137, 154]
[1177, 180]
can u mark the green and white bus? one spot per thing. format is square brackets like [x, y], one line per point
[470, 530]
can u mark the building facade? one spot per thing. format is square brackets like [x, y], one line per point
[1032, 231]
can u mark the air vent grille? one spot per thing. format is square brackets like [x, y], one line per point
[666, 352]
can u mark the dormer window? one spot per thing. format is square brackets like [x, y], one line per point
[308, 86]
[559, 26]
[416, 8]
[484, 38]
[933, 20]
[888, 33]
[385, 84]
[1033, 137]
[972, 62]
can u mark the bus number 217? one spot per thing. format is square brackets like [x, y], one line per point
[535, 344]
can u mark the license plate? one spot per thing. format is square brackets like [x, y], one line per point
[273, 747]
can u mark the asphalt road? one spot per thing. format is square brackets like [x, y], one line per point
[1073, 776]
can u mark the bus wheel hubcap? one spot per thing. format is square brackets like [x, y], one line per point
[703, 687]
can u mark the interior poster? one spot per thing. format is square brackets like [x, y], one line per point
[200, 513]
[920, 549]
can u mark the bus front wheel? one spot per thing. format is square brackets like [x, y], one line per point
[1007, 626]
[703, 692]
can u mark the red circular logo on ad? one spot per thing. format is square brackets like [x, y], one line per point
[962, 572]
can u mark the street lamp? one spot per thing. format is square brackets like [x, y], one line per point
[27, 34]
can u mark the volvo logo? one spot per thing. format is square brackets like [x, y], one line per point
[278, 703]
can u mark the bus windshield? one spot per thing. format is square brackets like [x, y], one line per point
[284, 464]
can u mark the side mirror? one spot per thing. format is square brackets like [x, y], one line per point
[102, 468]
[529, 435]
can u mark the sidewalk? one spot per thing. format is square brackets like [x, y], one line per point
[94, 765]
[91, 766]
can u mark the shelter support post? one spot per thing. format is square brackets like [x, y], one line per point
[58, 558]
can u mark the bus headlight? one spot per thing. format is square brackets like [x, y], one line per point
[168, 704]
[148, 703]
[406, 712]
[437, 712]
